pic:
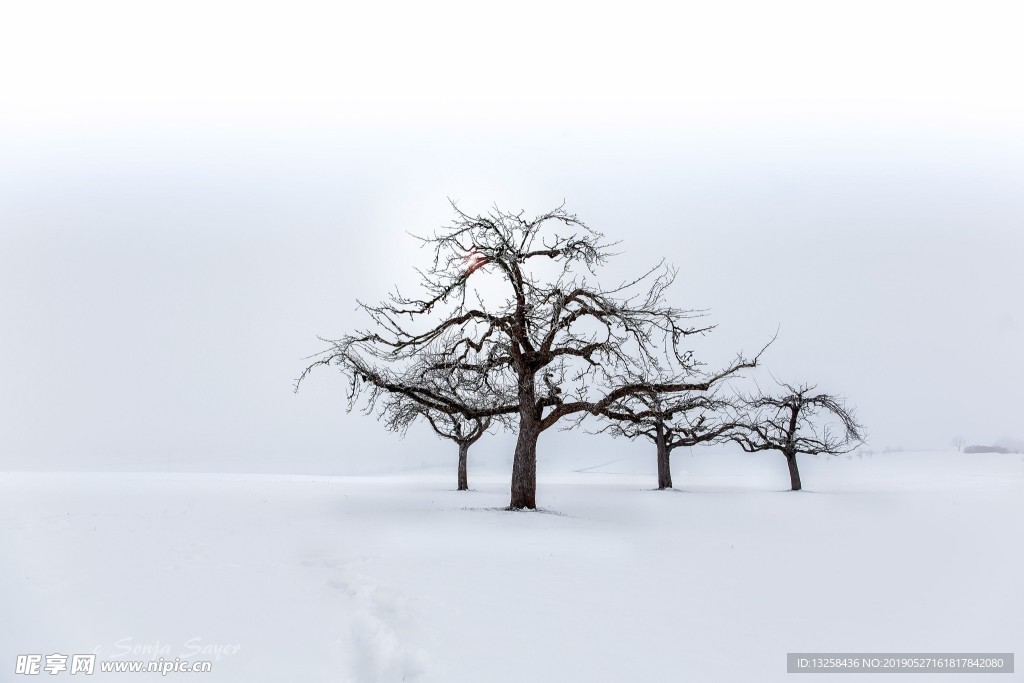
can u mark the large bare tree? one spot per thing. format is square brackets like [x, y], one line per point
[795, 420]
[514, 303]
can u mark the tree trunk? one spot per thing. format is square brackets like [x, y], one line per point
[524, 470]
[664, 465]
[463, 475]
[524, 465]
[794, 473]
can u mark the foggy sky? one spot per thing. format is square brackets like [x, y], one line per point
[175, 234]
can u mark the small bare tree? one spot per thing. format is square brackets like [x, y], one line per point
[466, 387]
[545, 333]
[465, 432]
[674, 420]
[959, 442]
[670, 422]
[793, 421]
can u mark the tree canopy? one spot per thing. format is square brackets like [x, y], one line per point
[511, 307]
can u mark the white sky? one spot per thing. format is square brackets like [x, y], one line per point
[189, 196]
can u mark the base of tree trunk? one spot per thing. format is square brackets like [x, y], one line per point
[664, 479]
[664, 462]
[794, 473]
[524, 470]
[523, 500]
[522, 503]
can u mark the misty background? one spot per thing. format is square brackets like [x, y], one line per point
[188, 199]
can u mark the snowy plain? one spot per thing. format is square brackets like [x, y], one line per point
[402, 578]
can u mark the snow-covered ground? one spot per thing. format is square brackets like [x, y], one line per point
[401, 578]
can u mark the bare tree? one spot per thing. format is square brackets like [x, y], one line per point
[674, 420]
[468, 387]
[959, 442]
[403, 412]
[670, 422]
[546, 334]
[795, 421]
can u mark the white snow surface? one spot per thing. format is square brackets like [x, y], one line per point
[401, 578]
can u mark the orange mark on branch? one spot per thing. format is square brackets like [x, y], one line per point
[472, 261]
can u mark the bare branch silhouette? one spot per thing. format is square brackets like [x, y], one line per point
[793, 421]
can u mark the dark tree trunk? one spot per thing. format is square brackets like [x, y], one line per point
[524, 465]
[524, 470]
[664, 465]
[794, 473]
[790, 449]
[463, 475]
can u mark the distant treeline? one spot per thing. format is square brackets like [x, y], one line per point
[987, 449]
